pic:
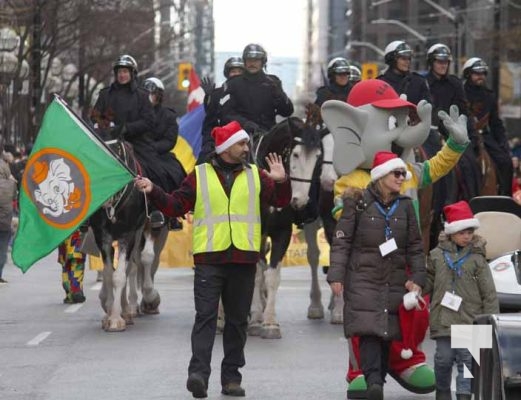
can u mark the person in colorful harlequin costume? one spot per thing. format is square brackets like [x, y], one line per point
[72, 261]
[375, 119]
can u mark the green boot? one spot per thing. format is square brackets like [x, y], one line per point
[357, 388]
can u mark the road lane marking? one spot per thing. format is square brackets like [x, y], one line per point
[73, 308]
[38, 339]
[96, 286]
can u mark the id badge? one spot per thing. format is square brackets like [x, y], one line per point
[388, 247]
[451, 301]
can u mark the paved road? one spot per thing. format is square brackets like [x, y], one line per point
[52, 351]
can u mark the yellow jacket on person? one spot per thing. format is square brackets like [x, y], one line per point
[219, 220]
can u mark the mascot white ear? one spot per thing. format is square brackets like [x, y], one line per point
[347, 125]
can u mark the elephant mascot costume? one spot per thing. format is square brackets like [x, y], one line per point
[376, 119]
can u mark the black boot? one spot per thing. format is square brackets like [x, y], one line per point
[443, 395]
[157, 219]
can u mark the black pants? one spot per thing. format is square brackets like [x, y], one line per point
[374, 358]
[234, 283]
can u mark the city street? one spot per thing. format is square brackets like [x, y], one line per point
[53, 351]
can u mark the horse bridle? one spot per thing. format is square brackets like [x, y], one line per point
[298, 142]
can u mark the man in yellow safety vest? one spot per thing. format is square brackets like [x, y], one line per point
[226, 195]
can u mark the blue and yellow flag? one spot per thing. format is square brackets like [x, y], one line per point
[190, 137]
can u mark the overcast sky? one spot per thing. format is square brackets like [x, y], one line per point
[278, 25]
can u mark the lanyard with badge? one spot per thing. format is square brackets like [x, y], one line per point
[451, 300]
[390, 244]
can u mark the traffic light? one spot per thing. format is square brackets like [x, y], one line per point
[183, 76]
[369, 71]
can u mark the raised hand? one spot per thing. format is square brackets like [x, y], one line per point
[276, 172]
[456, 124]
[207, 84]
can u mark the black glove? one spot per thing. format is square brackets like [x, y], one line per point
[119, 131]
[207, 84]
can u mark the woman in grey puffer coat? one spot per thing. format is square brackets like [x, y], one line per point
[375, 240]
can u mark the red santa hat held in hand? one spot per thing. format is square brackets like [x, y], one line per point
[227, 135]
[385, 162]
[458, 217]
[413, 326]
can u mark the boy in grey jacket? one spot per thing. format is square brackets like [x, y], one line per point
[461, 287]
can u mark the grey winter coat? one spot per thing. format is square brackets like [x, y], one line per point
[475, 286]
[374, 285]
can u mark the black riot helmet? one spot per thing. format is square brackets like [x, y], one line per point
[338, 65]
[439, 52]
[474, 64]
[154, 85]
[395, 49]
[255, 51]
[355, 75]
[232, 62]
[126, 61]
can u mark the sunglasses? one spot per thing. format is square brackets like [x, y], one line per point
[397, 173]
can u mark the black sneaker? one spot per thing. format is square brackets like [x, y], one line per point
[233, 389]
[2, 280]
[196, 385]
[78, 297]
[375, 391]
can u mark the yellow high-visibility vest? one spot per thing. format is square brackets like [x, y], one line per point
[220, 221]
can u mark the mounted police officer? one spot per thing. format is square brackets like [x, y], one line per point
[398, 56]
[124, 110]
[447, 89]
[255, 98]
[355, 75]
[234, 66]
[168, 171]
[484, 110]
[339, 84]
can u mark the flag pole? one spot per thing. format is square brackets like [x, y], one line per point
[59, 99]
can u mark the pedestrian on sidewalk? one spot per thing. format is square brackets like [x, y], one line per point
[461, 287]
[226, 194]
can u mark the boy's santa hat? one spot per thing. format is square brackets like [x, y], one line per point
[385, 162]
[227, 135]
[458, 217]
[413, 326]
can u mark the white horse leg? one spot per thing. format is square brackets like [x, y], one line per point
[315, 309]
[150, 301]
[257, 304]
[106, 294]
[132, 309]
[337, 308]
[270, 327]
[115, 322]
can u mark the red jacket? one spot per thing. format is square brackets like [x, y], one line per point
[182, 200]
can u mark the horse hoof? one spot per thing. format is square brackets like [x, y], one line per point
[255, 330]
[150, 307]
[117, 325]
[316, 312]
[337, 318]
[128, 318]
[271, 332]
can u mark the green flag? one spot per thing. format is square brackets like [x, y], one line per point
[68, 176]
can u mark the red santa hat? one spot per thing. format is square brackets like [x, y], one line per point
[413, 327]
[458, 217]
[377, 93]
[385, 162]
[227, 135]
